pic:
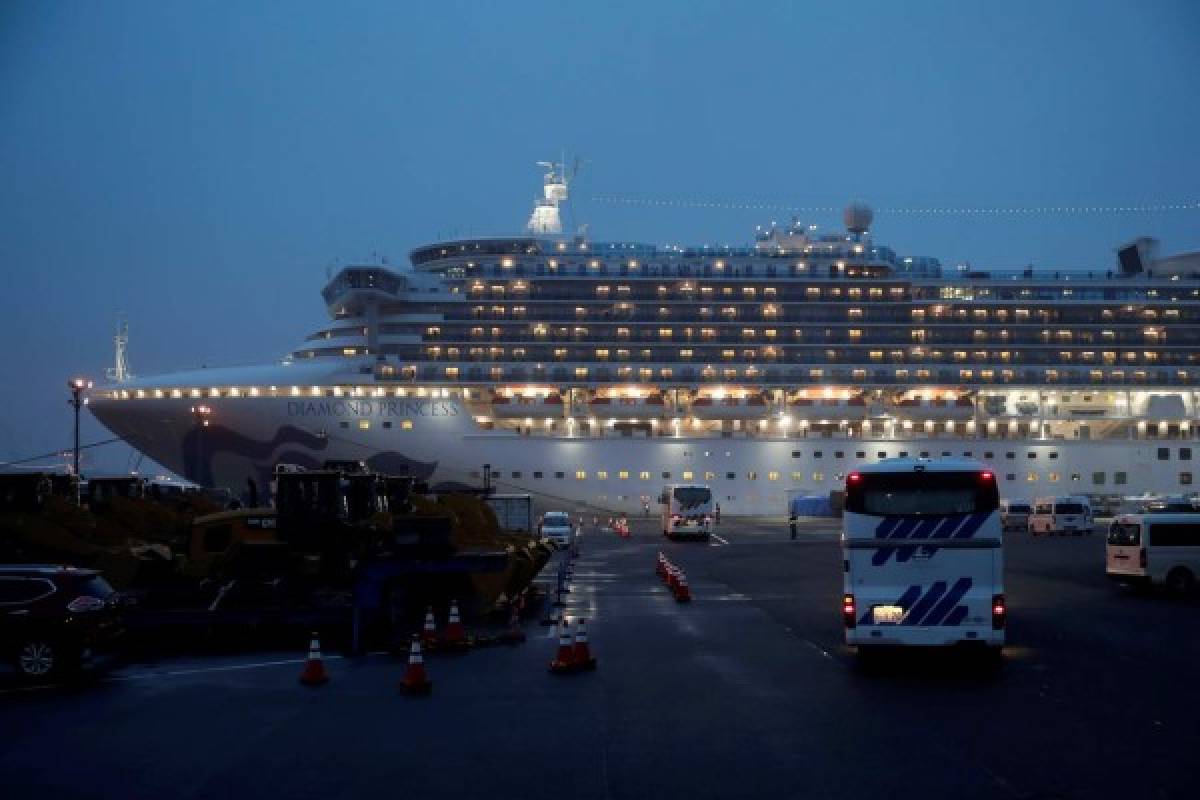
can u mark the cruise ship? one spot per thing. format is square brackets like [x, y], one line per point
[594, 372]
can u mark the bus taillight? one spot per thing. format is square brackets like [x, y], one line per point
[999, 612]
[849, 610]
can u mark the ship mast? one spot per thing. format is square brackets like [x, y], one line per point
[546, 217]
[120, 372]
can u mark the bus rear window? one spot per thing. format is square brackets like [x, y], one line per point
[692, 496]
[920, 494]
[1068, 508]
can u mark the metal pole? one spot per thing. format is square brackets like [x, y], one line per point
[75, 403]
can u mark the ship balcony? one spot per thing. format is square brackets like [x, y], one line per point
[520, 406]
[751, 405]
[949, 408]
[839, 408]
[638, 406]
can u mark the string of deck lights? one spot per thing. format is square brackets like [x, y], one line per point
[1144, 208]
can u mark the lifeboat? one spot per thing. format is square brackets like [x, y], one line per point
[831, 408]
[918, 407]
[520, 406]
[749, 406]
[652, 405]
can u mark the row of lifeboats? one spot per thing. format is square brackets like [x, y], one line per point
[750, 405]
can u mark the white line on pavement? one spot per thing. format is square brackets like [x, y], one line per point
[224, 668]
[719, 539]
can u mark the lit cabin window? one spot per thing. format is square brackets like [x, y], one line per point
[406, 425]
[364, 424]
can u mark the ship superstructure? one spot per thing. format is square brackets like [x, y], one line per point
[596, 371]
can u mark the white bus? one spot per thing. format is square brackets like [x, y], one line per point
[687, 511]
[923, 555]
[1063, 515]
[1155, 550]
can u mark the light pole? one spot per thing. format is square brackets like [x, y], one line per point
[77, 386]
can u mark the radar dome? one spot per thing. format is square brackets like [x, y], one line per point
[858, 217]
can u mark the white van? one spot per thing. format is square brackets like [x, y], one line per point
[1014, 515]
[923, 555]
[1155, 550]
[556, 527]
[686, 511]
[1064, 515]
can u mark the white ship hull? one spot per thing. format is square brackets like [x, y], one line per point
[438, 439]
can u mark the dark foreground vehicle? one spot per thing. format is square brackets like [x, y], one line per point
[53, 619]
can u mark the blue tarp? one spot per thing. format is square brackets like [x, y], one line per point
[811, 506]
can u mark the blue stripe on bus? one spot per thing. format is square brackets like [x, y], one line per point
[921, 607]
[955, 526]
[956, 616]
[947, 603]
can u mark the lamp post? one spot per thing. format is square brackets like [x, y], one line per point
[77, 386]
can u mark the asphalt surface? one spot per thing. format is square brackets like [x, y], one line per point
[747, 691]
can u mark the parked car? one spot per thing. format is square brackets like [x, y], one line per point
[556, 526]
[1014, 515]
[55, 619]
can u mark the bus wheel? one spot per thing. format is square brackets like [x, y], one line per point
[1180, 581]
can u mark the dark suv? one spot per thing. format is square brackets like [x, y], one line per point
[53, 618]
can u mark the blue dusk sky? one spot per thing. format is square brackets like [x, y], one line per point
[199, 165]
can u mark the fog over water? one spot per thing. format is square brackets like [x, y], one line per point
[199, 166]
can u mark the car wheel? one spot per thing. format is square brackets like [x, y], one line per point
[37, 658]
[1180, 581]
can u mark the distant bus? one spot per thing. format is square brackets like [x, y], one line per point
[1155, 550]
[687, 511]
[922, 555]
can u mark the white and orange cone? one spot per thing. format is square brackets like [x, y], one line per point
[429, 634]
[564, 660]
[415, 681]
[455, 637]
[682, 593]
[314, 673]
[582, 652]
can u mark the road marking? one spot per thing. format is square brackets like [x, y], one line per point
[719, 539]
[25, 689]
[224, 668]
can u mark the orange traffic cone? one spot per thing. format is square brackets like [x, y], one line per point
[514, 634]
[582, 653]
[564, 661]
[682, 593]
[672, 577]
[660, 564]
[314, 673]
[455, 637]
[429, 634]
[415, 681]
